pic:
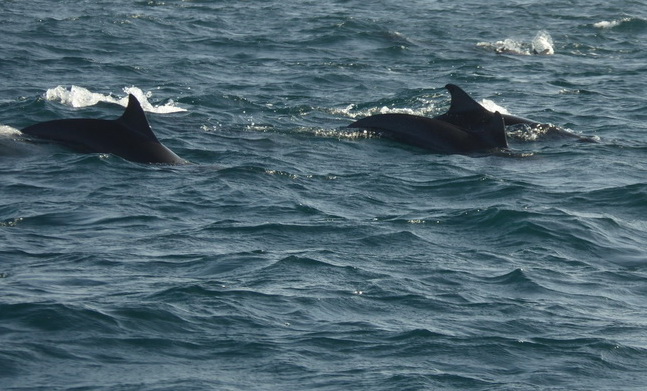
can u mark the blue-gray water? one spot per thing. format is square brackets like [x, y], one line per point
[296, 255]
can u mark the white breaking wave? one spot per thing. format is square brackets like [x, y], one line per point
[610, 24]
[9, 131]
[542, 43]
[76, 96]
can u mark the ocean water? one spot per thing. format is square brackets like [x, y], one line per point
[295, 254]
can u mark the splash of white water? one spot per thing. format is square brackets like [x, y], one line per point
[76, 96]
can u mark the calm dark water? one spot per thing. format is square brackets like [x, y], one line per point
[295, 254]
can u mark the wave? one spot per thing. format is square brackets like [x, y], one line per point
[76, 96]
[605, 24]
[628, 23]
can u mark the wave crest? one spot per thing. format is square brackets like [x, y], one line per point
[627, 22]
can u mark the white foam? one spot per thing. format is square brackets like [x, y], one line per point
[350, 112]
[8, 131]
[427, 111]
[344, 134]
[346, 111]
[76, 96]
[605, 24]
[491, 106]
[507, 46]
[542, 43]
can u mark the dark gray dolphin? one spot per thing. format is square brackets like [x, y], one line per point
[466, 127]
[437, 135]
[467, 113]
[129, 136]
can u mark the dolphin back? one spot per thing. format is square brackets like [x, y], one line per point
[433, 134]
[130, 136]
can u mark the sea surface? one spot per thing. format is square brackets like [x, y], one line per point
[297, 254]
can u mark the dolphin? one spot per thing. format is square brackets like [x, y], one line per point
[466, 127]
[129, 136]
[465, 112]
[437, 135]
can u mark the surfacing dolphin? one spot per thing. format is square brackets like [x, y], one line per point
[467, 113]
[129, 136]
[466, 127]
[436, 135]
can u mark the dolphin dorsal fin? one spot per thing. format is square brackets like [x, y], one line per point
[462, 103]
[135, 119]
